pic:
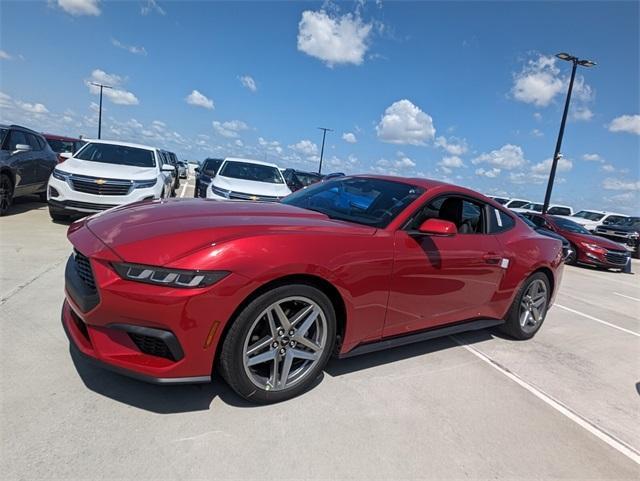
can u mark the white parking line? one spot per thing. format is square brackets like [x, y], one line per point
[612, 441]
[628, 297]
[184, 189]
[633, 333]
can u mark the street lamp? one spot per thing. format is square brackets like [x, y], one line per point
[100, 110]
[324, 134]
[556, 155]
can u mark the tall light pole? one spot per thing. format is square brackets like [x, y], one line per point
[324, 134]
[100, 110]
[556, 155]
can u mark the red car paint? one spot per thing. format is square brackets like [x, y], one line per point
[590, 249]
[385, 281]
[61, 144]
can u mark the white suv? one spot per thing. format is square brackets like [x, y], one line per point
[245, 179]
[105, 174]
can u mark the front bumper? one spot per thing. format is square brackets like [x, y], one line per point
[617, 261]
[63, 199]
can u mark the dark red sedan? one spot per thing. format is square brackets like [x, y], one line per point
[167, 291]
[63, 145]
[586, 248]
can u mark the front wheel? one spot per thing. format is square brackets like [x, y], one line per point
[279, 343]
[572, 258]
[529, 308]
[6, 194]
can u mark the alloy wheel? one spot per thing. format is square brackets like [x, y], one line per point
[284, 343]
[533, 306]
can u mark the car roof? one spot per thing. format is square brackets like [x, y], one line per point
[603, 212]
[123, 144]
[15, 126]
[60, 137]
[250, 161]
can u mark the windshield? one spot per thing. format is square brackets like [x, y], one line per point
[254, 172]
[533, 206]
[116, 154]
[528, 221]
[585, 214]
[514, 204]
[569, 225]
[59, 146]
[629, 221]
[371, 202]
[614, 219]
[501, 200]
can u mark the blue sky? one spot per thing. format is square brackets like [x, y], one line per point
[467, 92]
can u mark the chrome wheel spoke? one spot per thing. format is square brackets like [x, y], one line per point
[272, 325]
[302, 330]
[533, 305]
[260, 345]
[282, 317]
[261, 358]
[286, 367]
[297, 353]
[306, 343]
[300, 315]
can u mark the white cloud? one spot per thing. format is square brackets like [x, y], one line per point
[115, 94]
[404, 123]
[537, 133]
[608, 168]
[544, 167]
[248, 82]
[404, 163]
[5, 100]
[129, 48]
[333, 39]
[592, 158]
[506, 157]
[453, 146]
[80, 7]
[230, 129]
[491, 173]
[626, 123]
[150, 7]
[199, 100]
[451, 162]
[239, 143]
[305, 147]
[538, 82]
[270, 145]
[349, 137]
[619, 184]
[537, 116]
[4, 55]
[582, 113]
[33, 108]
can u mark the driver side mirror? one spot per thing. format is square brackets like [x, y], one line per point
[22, 148]
[168, 168]
[438, 227]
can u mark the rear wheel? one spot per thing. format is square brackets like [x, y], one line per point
[279, 343]
[42, 196]
[6, 193]
[572, 258]
[529, 308]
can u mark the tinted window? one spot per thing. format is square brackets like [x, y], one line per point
[499, 221]
[501, 200]
[60, 146]
[3, 134]
[372, 202]
[585, 214]
[32, 140]
[467, 215]
[537, 220]
[17, 137]
[255, 172]
[533, 206]
[514, 204]
[211, 166]
[117, 154]
[559, 211]
[614, 219]
[569, 225]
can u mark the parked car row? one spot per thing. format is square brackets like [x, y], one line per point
[617, 227]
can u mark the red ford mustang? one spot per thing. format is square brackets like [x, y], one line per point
[166, 291]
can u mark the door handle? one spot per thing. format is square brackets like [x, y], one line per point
[492, 258]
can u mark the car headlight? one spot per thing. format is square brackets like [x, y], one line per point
[60, 175]
[594, 247]
[161, 276]
[220, 192]
[634, 235]
[144, 184]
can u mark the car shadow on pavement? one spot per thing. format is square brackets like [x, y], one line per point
[152, 397]
[21, 205]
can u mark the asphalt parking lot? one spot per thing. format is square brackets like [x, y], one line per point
[563, 405]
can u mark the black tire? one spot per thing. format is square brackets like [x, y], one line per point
[512, 326]
[6, 194]
[572, 259]
[42, 196]
[636, 253]
[57, 216]
[231, 364]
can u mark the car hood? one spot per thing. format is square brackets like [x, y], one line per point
[251, 186]
[160, 232]
[550, 233]
[618, 228]
[107, 171]
[593, 239]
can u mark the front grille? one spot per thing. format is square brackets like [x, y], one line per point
[100, 186]
[83, 268]
[617, 257]
[151, 345]
[260, 198]
[616, 238]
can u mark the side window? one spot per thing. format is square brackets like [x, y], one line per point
[537, 220]
[17, 137]
[499, 221]
[559, 211]
[32, 140]
[466, 214]
[42, 143]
